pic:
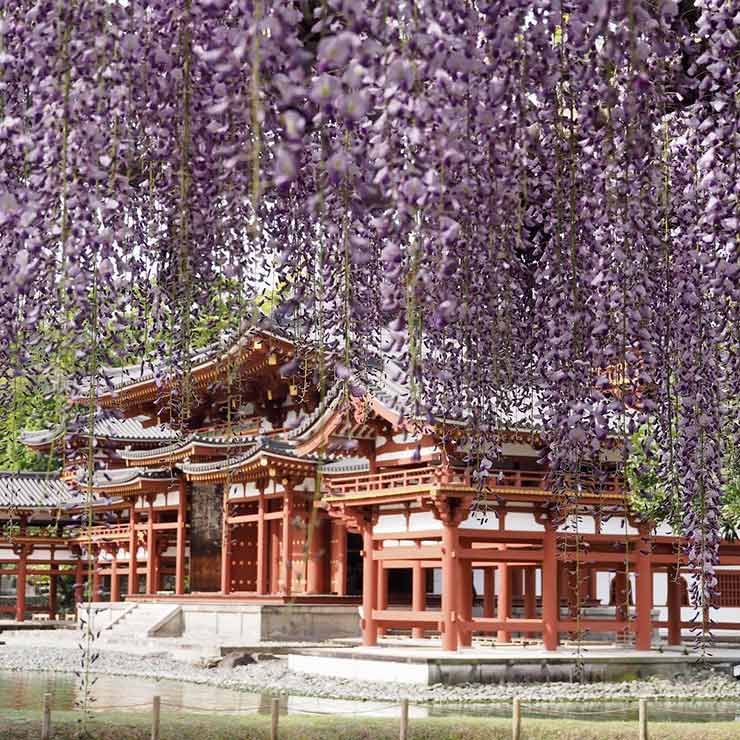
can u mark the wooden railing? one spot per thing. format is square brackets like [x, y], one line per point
[99, 532]
[426, 476]
[432, 476]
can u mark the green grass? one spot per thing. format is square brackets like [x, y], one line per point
[24, 725]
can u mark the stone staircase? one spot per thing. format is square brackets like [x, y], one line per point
[143, 621]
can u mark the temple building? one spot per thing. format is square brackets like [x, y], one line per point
[269, 492]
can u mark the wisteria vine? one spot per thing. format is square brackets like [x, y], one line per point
[505, 201]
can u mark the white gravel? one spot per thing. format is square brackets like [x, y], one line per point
[26, 654]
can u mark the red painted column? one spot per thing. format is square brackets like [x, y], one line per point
[449, 590]
[262, 555]
[79, 585]
[133, 546]
[418, 595]
[274, 587]
[182, 508]
[315, 581]
[465, 597]
[20, 584]
[151, 549]
[550, 598]
[369, 585]
[97, 577]
[530, 595]
[53, 591]
[382, 593]
[489, 579]
[115, 593]
[339, 557]
[674, 606]
[287, 542]
[226, 547]
[644, 588]
[503, 604]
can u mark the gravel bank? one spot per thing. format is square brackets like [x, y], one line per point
[273, 676]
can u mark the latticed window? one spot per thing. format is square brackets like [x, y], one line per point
[729, 588]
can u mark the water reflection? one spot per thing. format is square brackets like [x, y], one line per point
[26, 691]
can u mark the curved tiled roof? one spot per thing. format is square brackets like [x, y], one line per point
[33, 490]
[261, 445]
[106, 425]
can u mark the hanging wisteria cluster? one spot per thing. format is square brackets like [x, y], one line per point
[506, 201]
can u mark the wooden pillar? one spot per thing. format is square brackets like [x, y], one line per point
[465, 600]
[262, 555]
[133, 546]
[115, 593]
[674, 606]
[274, 556]
[53, 591]
[79, 585]
[97, 576]
[339, 556]
[550, 600]
[418, 595]
[20, 584]
[382, 593]
[151, 548]
[530, 595]
[489, 579]
[503, 604]
[287, 541]
[182, 504]
[226, 546]
[644, 589]
[369, 584]
[449, 589]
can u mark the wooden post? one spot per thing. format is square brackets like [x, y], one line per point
[97, 577]
[550, 600]
[418, 595]
[151, 549]
[287, 541]
[465, 600]
[404, 730]
[503, 604]
[449, 590]
[382, 594]
[489, 576]
[339, 556]
[516, 719]
[133, 546]
[182, 504]
[261, 546]
[115, 593]
[369, 585]
[643, 719]
[46, 718]
[530, 595]
[275, 715]
[20, 585]
[644, 576]
[79, 576]
[155, 717]
[674, 606]
[53, 592]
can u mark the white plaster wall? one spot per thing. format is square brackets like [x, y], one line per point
[404, 438]
[521, 521]
[519, 449]
[405, 454]
[423, 520]
[617, 525]
[390, 523]
[583, 524]
[474, 522]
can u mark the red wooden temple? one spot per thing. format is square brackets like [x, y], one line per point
[272, 494]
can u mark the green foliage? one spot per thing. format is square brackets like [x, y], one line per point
[658, 498]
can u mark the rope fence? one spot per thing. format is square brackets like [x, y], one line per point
[519, 712]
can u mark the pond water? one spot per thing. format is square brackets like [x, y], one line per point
[25, 690]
